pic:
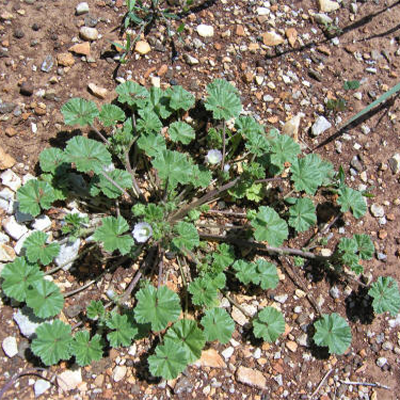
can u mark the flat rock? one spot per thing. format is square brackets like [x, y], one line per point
[119, 373]
[82, 8]
[320, 125]
[291, 35]
[69, 380]
[377, 210]
[47, 63]
[328, 5]
[11, 180]
[272, 38]
[26, 321]
[67, 254]
[205, 30]
[190, 60]
[321, 18]
[239, 317]
[251, 377]
[291, 127]
[7, 253]
[65, 59]
[13, 228]
[88, 34]
[41, 386]
[97, 91]
[6, 161]
[41, 223]
[142, 47]
[6, 108]
[18, 248]
[394, 163]
[10, 346]
[7, 200]
[82, 49]
[210, 358]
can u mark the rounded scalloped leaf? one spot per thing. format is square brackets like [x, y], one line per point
[79, 111]
[269, 324]
[38, 250]
[181, 132]
[218, 325]
[85, 349]
[386, 296]
[110, 114]
[51, 159]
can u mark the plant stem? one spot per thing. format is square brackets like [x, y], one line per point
[320, 384]
[223, 144]
[228, 213]
[111, 180]
[160, 266]
[102, 137]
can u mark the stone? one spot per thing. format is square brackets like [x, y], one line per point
[190, 60]
[27, 322]
[91, 21]
[69, 380]
[89, 34]
[320, 125]
[26, 88]
[272, 38]
[10, 346]
[142, 47]
[205, 30]
[82, 49]
[7, 253]
[291, 127]
[323, 19]
[281, 298]
[210, 358]
[13, 228]
[65, 59]
[119, 373]
[377, 210]
[381, 361]
[239, 317]
[47, 64]
[11, 180]
[262, 11]
[6, 161]
[97, 91]
[6, 108]
[227, 353]
[328, 5]
[394, 163]
[82, 8]
[251, 377]
[292, 346]
[67, 254]
[41, 386]
[291, 35]
[41, 223]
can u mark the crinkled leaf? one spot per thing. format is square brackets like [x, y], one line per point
[87, 154]
[45, 298]
[204, 292]
[95, 309]
[365, 246]
[110, 233]
[267, 274]
[52, 342]
[332, 331]
[159, 102]
[18, 276]
[305, 174]
[302, 215]
[51, 159]
[180, 99]
[85, 349]
[123, 332]
[351, 199]
[348, 245]
[257, 143]
[246, 125]
[218, 325]
[158, 307]
[223, 100]
[152, 144]
[385, 292]
[35, 195]
[269, 324]
[149, 122]
[200, 177]
[181, 132]
[186, 334]
[79, 111]
[168, 361]
[351, 85]
[269, 226]
[132, 93]
[110, 114]
[223, 257]
[188, 236]
[123, 178]
[38, 250]
[283, 149]
[246, 272]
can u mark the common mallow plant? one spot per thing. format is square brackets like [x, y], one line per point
[150, 184]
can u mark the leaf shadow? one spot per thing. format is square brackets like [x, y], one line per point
[359, 306]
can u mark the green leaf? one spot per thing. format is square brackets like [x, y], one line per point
[18, 277]
[302, 215]
[95, 310]
[246, 272]
[169, 360]
[123, 178]
[351, 85]
[38, 250]
[365, 246]
[201, 176]
[149, 122]
[267, 274]
[269, 324]
[35, 195]
[123, 332]
[255, 192]
[306, 175]
[257, 143]
[45, 298]
[172, 166]
[385, 293]
[133, 94]
[157, 306]
[223, 257]
[181, 132]
[351, 199]
[87, 154]
[159, 102]
[269, 226]
[188, 336]
[223, 100]
[79, 111]
[110, 114]
[52, 342]
[246, 125]
[180, 99]
[110, 233]
[284, 149]
[188, 236]
[85, 349]
[50, 159]
[218, 325]
[204, 292]
[152, 144]
[332, 331]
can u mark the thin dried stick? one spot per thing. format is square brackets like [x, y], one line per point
[320, 384]
[372, 384]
